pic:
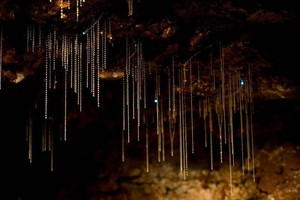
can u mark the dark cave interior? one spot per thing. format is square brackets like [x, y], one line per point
[259, 35]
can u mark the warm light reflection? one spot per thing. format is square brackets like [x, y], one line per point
[19, 77]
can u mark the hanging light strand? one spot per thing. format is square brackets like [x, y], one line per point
[1, 54]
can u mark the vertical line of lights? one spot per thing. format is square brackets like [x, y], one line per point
[1, 52]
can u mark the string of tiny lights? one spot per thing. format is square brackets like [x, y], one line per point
[1, 52]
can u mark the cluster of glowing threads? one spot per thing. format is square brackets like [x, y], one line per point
[233, 96]
[66, 51]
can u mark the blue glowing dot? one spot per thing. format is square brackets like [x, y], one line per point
[242, 82]
[83, 32]
[155, 100]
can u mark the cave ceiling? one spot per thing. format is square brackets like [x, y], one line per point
[260, 34]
